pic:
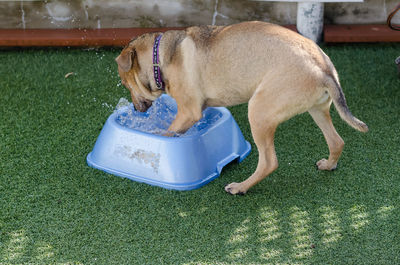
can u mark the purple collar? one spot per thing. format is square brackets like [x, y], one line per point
[156, 64]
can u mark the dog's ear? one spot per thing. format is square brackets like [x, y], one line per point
[125, 59]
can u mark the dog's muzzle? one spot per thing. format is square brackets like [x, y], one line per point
[143, 105]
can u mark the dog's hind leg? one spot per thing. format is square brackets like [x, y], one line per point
[322, 118]
[263, 126]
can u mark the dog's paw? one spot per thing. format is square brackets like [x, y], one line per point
[170, 134]
[235, 189]
[324, 164]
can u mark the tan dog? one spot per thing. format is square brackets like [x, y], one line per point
[277, 71]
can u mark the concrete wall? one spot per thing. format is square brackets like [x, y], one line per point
[176, 13]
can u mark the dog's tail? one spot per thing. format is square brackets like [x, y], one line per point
[337, 95]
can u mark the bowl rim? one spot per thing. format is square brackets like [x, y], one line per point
[225, 116]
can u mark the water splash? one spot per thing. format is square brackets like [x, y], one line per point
[58, 12]
[215, 13]
[158, 118]
[23, 15]
[86, 12]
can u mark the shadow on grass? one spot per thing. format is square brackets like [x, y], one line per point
[143, 224]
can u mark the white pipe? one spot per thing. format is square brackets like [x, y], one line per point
[310, 20]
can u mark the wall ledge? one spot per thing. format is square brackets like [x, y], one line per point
[360, 33]
[121, 36]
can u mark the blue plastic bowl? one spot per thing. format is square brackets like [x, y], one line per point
[181, 163]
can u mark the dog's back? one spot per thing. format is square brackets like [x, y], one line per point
[240, 56]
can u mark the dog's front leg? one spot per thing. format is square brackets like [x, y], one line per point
[183, 121]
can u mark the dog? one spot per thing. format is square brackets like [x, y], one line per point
[276, 70]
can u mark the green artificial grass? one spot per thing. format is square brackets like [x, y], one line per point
[54, 209]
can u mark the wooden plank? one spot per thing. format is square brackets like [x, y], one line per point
[360, 33]
[76, 37]
[121, 36]
[71, 37]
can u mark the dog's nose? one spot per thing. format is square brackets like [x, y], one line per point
[143, 105]
[148, 104]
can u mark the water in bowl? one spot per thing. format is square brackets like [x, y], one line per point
[158, 118]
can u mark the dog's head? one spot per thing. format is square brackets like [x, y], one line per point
[135, 69]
